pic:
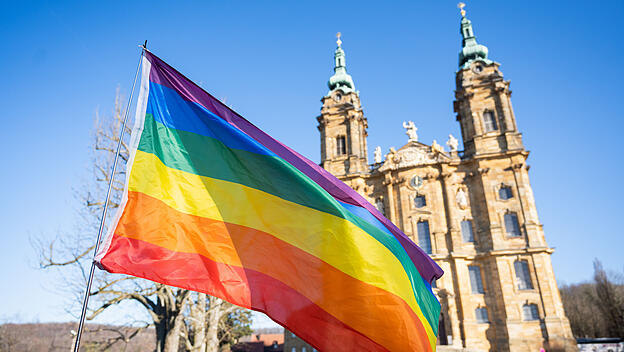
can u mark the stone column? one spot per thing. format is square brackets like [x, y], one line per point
[495, 228]
[533, 229]
[390, 196]
[454, 235]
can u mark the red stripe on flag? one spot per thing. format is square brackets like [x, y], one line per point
[240, 286]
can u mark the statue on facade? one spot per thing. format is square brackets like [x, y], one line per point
[461, 199]
[410, 131]
[452, 143]
[377, 155]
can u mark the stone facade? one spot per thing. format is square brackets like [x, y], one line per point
[472, 210]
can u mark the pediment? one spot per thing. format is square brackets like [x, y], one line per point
[413, 154]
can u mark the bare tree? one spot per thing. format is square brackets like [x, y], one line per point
[609, 299]
[596, 309]
[72, 254]
[213, 322]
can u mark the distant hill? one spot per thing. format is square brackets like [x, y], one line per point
[51, 337]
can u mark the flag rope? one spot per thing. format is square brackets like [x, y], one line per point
[105, 210]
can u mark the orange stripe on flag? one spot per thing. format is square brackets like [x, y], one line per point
[387, 319]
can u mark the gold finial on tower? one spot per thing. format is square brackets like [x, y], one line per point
[338, 41]
[461, 6]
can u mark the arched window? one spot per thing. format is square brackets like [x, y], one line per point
[466, 231]
[489, 121]
[512, 227]
[424, 238]
[505, 193]
[481, 314]
[476, 281]
[420, 201]
[341, 145]
[523, 275]
[530, 312]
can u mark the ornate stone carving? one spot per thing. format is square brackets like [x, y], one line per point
[412, 155]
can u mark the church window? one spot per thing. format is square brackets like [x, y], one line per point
[482, 315]
[489, 121]
[294, 349]
[466, 230]
[505, 193]
[303, 349]
[523, 275]
[420, 201]
[424, 238]
[530, 312]
[511, 225]
[476, 282]
[341, 144]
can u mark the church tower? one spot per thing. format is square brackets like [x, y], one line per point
[483, 104]
[509, 296]
[342, 123]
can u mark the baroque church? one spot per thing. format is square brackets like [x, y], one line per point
[472, 210]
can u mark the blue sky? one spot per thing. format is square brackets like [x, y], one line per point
[60, 62]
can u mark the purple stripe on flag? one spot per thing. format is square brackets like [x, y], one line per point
[166, 75]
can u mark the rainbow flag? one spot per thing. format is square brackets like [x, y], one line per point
[215, 205]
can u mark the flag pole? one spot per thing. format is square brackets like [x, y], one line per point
[85, 302]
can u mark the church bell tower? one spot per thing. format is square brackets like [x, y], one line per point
[483, 100]
[518, 307]
[342, 123]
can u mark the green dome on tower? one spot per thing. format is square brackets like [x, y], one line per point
[471, 50]
[341, 79]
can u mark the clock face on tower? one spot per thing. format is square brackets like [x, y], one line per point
[337, 97]
[416, 181]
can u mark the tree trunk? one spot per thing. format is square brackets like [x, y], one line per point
[172, 340]
[214, 316]
[169, 310]
[198, 324]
